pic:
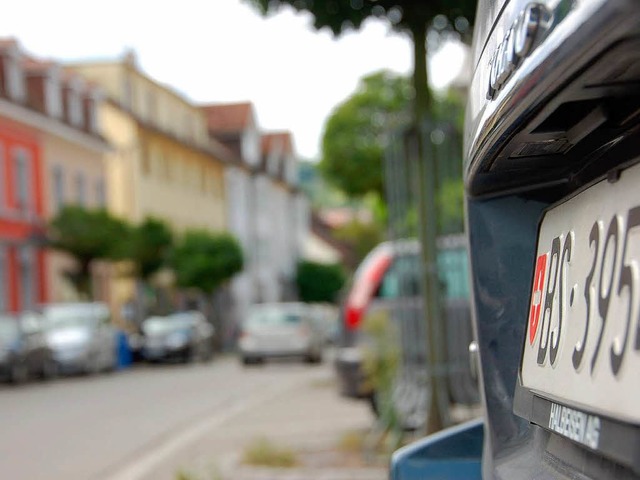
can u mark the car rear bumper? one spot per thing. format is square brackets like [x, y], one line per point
[352, 379]
[267, 353]
[72, 360]
[164, 353]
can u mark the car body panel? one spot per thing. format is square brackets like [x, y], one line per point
[24, 352]
[185, 336]
[453, 454]
[81, 336]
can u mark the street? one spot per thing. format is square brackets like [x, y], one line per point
[146, 422]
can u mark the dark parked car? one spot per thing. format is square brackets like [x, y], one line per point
[81, 337]
[183, 336]
[552, 161]
[24, 352]
[387, 285]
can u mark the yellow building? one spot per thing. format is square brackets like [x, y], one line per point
[163, 163]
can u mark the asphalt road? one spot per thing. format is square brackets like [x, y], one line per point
[124, 425]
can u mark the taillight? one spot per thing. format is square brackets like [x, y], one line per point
[352, 317]
[364, 288]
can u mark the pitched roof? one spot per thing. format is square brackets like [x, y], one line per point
[282, 139]
[33, 64]
[228, 118]
[8, 42]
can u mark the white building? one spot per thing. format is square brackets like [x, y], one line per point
[266, 211]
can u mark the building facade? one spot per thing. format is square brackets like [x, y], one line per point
[163, 164]
[266, 210]
[51, 153]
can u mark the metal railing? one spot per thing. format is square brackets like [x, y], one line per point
[403, 183]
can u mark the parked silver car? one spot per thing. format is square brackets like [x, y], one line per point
[81, 337]
[185, 336]
[24, 352]
[281, 330]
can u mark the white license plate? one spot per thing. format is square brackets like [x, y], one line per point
[583, 336]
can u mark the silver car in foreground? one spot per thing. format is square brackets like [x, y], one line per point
[280, 330]
[81, 337]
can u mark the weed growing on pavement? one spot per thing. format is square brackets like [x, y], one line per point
[262, 452]
[352, 442]
[182, 475]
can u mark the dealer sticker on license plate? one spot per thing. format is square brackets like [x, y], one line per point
[582, 346]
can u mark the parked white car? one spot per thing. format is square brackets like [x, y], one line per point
[281, 330]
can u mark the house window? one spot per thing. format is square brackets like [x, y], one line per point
[101, 194]
[81, 189]
[16, 85]
[74, 106]
[4, 279]
[22, 170]
[58, 187]
[92, 115]
[53, 96]
[28, 278]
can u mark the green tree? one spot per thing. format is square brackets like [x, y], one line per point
[204, 261]
[150, 247]
[151, 243]
[356, 133]
[408, 16]
[318, 282]
[451, 206]
[360, 236]
[88, 235]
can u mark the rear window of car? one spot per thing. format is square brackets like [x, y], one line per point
[272, 318]
[402, 278]
[160, 325]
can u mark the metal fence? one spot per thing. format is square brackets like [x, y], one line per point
[402, 187]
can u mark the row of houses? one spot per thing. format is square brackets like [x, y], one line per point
[105, 134]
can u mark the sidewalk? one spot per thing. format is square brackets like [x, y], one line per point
[310, 420]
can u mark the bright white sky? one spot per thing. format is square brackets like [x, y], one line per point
[222, 51]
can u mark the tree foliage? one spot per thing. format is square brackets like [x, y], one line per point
[204, 261]
[151, 243]
[319, 282]
[88, 235]
[360, 236]
[408, 16]
[356, 133]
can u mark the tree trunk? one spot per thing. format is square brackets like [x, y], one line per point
[427, 221]
[422, 99]
[84, 284]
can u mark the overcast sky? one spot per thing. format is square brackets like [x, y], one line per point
[220, 51]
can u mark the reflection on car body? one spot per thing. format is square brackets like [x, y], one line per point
[24, 352]
[281, 330]
[81, 337]
[553, 216]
